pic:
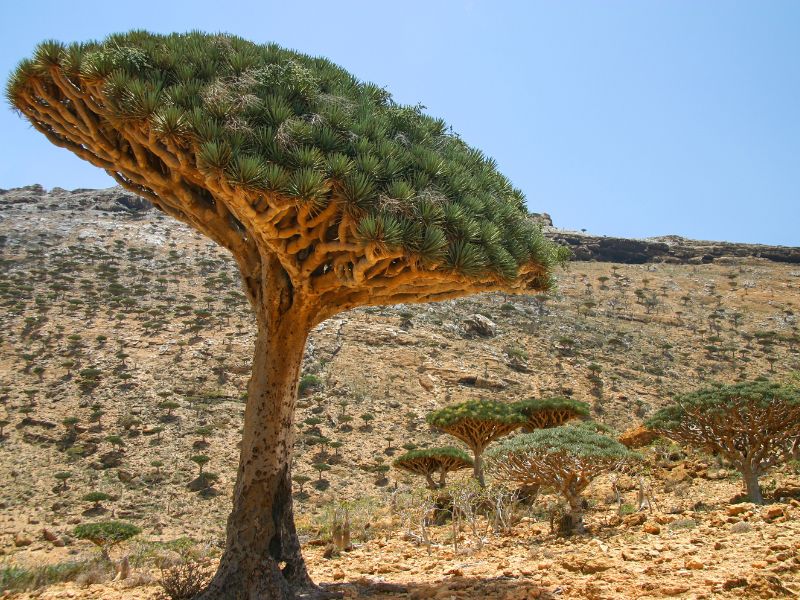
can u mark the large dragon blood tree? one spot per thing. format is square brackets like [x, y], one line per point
[328, 195]
[754, 425]
[565, 459]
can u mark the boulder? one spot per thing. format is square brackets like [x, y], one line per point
[479, 325]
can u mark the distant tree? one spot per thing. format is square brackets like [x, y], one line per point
[116, 441]
[70, 423]
[62, 477]
[328, 193]
[477, 423]
[565, 458]
[336, 445]
[107, 534]
[301, 480]
[542, 413]
[169, 406]
[321, 467]
[204, 432]
[754, 425]
[157, 431]
[367, 418]
[381, 471]
[429, 461]
[201, 460]
[96, 498]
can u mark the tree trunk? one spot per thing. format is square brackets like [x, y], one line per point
[431, 483]
[262, 558]
[477, 467]
[576, 513]
[750, 477]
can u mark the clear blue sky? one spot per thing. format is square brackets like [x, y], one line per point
[634, 118]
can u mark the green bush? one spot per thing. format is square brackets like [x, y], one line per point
[309, 382]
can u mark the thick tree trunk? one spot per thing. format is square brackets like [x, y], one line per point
[477, 467]
[431, 483]
[752, 486]
[576, 513]
[262, 558]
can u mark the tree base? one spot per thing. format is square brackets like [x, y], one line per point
[267, 583]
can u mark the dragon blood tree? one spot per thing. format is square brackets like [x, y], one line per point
[328, 195]
[477, 423]
[754, 425]
[550, 412]
[428, 461]
[565, 459]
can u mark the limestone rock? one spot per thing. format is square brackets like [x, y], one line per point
[476, 324]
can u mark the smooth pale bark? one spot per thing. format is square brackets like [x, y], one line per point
[262, 558]
[477, 467]
[576, 513]
[752, 486]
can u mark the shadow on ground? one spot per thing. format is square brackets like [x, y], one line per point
[459, 587]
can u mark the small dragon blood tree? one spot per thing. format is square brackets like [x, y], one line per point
[550, 412]
[754, 425]
[477, 423]
[565, 459]
[106, 534]
[328, 195]
[428, 461]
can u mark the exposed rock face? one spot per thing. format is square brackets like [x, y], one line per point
[670, 249]
[113, 199]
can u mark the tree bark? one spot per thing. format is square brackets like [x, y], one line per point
[576, 512]
[262, 558]
[477, 467]
[752, 486]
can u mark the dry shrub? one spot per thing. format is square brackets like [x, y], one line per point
[185, 580]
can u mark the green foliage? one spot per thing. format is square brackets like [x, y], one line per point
[107, 533]
[555, 404]
[270, 119]
[96, 497]
[719, 400]
[309, 382]
[200, 460]
[580, 441]
[477, 410]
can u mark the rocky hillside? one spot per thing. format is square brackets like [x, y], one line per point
[134, 327]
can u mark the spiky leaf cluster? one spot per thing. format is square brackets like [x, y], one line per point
[720, 401]
[541, 413]
[753, 424]
[267, 119]
[106, 533]
[559, 455]
[476, 410]
[575, 440]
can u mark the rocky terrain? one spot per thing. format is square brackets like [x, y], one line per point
[134, 326]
